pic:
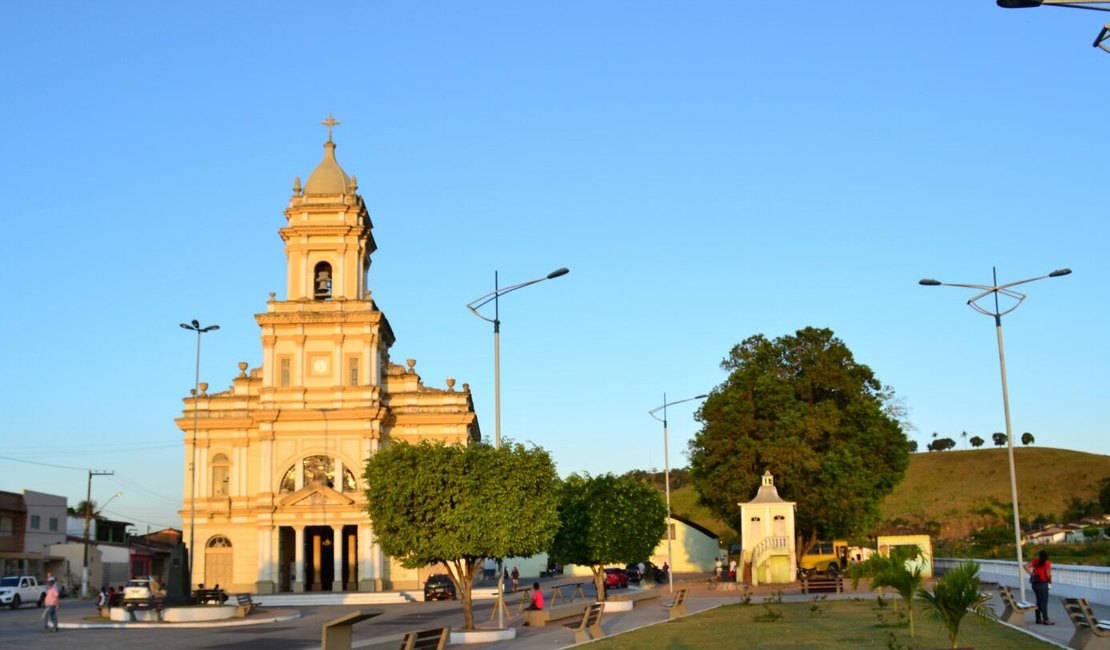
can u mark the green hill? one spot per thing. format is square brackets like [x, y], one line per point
[961, 491]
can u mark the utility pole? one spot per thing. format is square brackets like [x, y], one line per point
[88, 518]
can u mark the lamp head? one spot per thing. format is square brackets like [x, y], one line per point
[557, 272]
[1019, 4]
[196, 324]
[1058, 272]
[183, 325]
[929, 282]
[702, 396]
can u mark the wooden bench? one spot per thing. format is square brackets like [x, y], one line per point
[336, 634]
[676, 607]
[426, 639]
[557, 592]
[152, 603]
[831, 584]
[1013, 610]
[244, 605]
[1090, 633]
[591, 621]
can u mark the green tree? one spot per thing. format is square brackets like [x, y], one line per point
[977, 442]
[803, 408]
[1104, 494]
[954, 596]
[458, 504]
[899, 571]
[607, 520]
[1027, 439]
[999, 439]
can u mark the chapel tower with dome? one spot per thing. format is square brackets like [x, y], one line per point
[280, 503]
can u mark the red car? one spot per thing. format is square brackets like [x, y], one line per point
[616, 579]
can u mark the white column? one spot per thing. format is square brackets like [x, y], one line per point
[298, 560]
[368, 579]
[266, 466]
[337, 558]
[265, 559]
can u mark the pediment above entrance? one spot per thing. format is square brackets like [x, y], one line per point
[316, 494]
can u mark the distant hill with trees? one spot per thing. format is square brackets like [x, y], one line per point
[953, 493]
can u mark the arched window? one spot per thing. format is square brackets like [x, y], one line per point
[219, 541]
[221, 472]
[321, 281]
[317, 468]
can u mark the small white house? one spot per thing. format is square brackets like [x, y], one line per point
[768, 548]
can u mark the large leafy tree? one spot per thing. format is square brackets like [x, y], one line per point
[801, 407]
[457, 504]
[607, 520]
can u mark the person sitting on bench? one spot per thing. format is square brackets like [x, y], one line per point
[537, 597]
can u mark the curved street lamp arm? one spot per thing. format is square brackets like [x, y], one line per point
[1070, 4]
[481, 301]
[653, 411]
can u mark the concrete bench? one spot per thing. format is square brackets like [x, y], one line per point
[541, 617]
[1090, 633]
[590, 622]
[676, 607]
[628, 600]
[1013, 610]
[336, 634]
[245, 605]
[153, 603]
[426, 639]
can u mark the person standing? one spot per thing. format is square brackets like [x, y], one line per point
[1040, 576]
[718, 565]
[516, 578]
[50, 605]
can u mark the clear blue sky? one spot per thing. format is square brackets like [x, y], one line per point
[707, 170]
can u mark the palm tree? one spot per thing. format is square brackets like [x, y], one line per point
[954, 596]
[964, 436]
[899, 571]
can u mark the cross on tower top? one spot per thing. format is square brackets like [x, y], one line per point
[331, 122]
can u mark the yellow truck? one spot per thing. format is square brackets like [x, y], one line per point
[824, 557]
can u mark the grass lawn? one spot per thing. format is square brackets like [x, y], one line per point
[826, 624]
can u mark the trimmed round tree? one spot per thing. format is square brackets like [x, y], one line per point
[607, 520]
[455, 505]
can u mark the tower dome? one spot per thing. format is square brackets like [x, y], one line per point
[328, 177]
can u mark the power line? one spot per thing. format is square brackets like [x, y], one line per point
[32, 462]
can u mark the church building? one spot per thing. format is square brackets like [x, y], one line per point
[279, 497]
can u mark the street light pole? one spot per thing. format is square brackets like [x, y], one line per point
[495, 296]
[667, 478]
[194, 326]
[997, 313]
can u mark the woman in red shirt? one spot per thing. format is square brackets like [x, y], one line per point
[1040, 575]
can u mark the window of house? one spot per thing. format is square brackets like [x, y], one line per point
[221, 469]
[53, 524]
[7, 526]
[352, 371]
[35, 522]
[671, 531]
[286, 366]
[318, 468]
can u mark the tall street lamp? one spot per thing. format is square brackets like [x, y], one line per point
[495, 296]
[88, 519]
[194, 326]
[1004, 289]
[667, 476]
[1102, 41]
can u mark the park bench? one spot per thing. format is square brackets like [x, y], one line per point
[636, 597]
[541, 617]
[1090, 633]
[244, 605]
[153, 603]
[676, 607]
[590, 621]
[830, 584]
[426, 639]
[1013, 610]
[214, 596]
[557, 592]
[336, 634]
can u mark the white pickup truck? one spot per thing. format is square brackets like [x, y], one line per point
[21, 590]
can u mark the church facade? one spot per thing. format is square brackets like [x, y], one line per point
[279, 497]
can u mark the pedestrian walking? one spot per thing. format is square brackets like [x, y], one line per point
[50, 605]
[1040, 577]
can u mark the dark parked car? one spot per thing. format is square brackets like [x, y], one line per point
[439, 587]
[616, 578]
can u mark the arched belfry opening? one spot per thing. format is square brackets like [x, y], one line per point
[321, 281]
